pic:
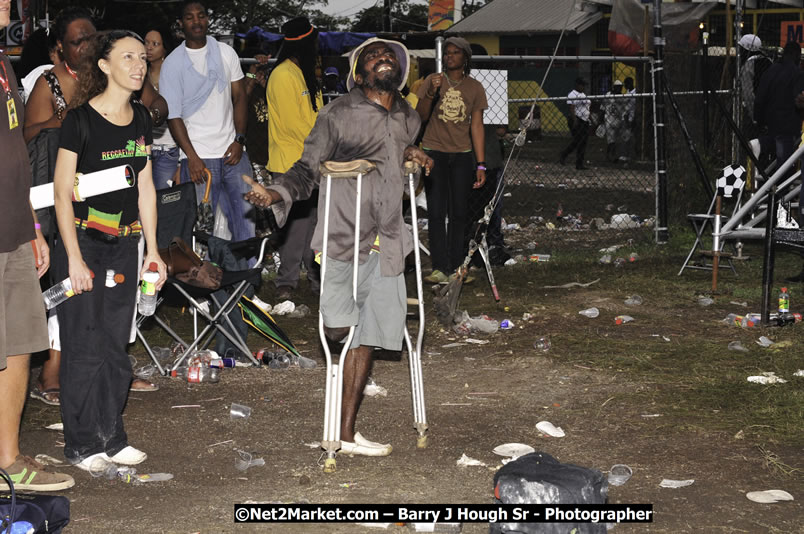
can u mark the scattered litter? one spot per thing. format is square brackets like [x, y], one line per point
[383, 526]
[45, 459]
[705, 301]
[800, 372]
[782, 345]
[313, 445]
[767, 378]
[56, 426]
[456, 404]
[527, 316]
[649, 415]
[764, 342]
[220, 443]
[186, 406]
[247, 460]
[666, 338]
[542, 344]
[605, 259]
[622, 319]
[546, 427]
[633, 300]
[572, 284]
[667, 483]
[452, 345]
[303, 362]
[465, 461]
[613, 248]
[590, 312]
[536, 258]
[769, 496]
[239, 411]
[736, 346]
[145, 372]
[506, 324]
[147, 477]
[619, 474]
[302, 310]
[482, 324]
[477, 341]
[373, 390]
[743, 304]
[513, 450]
[739, 435]
[284, 308]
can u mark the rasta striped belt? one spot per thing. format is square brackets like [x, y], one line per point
[124, 230]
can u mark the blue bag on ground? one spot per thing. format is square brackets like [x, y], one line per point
[538, 478]
[48, 514]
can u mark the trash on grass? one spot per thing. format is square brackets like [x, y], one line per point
[45, 459]
[764, 342]
[737, 347]
[239, 411]
[590, 312]
[513, 450]
[572, 284]
[373, 390]
[546, 427]
[246, 460]
[619, 474]
[704, 301]
[303, 362]
[622, 319]
[302, 310]
[482, 324]
[465, 461]
[667, 483]
[800, 372]
[476, 341]
[769, 496]
[284, 308]
[542, 344]
[743, 304]
[56, 426]
[633, 300]
[767, 378]
[506, 324]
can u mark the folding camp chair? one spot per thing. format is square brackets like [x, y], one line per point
[176, 214]
[713, 216]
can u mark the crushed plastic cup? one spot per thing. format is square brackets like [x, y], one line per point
[705, 301]
[633, 300]
[542, 344]
[247, 460]
[590, 312]
[303, 362]
[736, 346]
[619, 474]
[279, 361]
[239, 411]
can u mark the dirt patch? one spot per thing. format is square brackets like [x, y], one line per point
[477, 397]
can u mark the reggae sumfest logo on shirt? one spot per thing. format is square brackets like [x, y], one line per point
[132, 149]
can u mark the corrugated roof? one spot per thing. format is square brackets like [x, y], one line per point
[527, 16]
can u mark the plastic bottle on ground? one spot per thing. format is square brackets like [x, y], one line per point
[590, 312]
[196, 373]
[784, 301]
[60, 292]
[148, 296]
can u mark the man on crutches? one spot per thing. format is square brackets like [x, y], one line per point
[374, 123]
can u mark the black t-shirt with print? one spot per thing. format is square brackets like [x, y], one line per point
[109, 146]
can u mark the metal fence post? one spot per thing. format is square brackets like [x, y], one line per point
[661, 163]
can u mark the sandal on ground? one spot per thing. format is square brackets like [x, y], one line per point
[140, 384]
[364, 447]
[50, 396]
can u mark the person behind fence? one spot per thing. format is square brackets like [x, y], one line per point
[454, 103]
[579, 124]
[294, 101]
[614, 122]
[372, 122]
[22, 312]
[630, 118]
[105, 130]
[754, 65]
[203, 84]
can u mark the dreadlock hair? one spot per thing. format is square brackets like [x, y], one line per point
[304, 51]
[92, 81]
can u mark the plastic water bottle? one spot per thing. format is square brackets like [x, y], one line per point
[784, 301]
[113, 278]
[196, 374]
[148, 297]
[60, 292]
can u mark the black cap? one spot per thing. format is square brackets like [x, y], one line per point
[297, 29]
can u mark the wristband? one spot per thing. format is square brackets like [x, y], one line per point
[37, 226]
[481, 162]
[251, 75]
[481, 167]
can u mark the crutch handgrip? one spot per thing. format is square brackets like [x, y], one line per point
[346, 169]
[412, 167]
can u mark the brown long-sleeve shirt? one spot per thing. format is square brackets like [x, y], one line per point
[350, 128]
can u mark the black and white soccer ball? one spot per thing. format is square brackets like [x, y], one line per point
[731, 180]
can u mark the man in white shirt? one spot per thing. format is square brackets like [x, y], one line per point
[202, 82]
[579, 113]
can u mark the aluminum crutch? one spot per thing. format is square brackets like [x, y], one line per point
[415, 353]
[334, 389]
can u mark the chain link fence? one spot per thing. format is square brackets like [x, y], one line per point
[601, 193]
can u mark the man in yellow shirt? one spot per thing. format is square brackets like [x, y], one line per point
[293, 100]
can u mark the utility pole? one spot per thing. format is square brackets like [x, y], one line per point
[386, 16]
[661, 162]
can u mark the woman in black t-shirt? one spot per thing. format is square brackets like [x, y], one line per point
[99, 235]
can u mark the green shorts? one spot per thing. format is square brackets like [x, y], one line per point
[378, 314]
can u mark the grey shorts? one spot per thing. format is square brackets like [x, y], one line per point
[378, 314]
[23, 329]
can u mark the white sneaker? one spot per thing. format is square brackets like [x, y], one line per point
[95, 463]
[364, 447]
[129, 456]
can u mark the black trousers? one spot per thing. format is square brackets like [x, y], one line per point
[580, 133]
[447, 190]
[95, 373]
